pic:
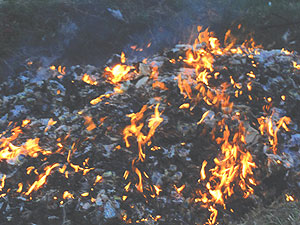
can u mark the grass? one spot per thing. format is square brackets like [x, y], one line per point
[286, 213]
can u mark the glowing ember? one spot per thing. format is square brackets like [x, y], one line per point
[67, 195]
[296, 66]
[98, 179]
[289, 198]
[42, 179]
[119, 72]
[87, 79]
[25, 122]
[89, 123]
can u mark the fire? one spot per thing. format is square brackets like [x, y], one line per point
[289, 198]
[85, 194]
[87, 79]
[296, 66]
[136, 126]
[100, 99]
[135, 130]
[233, 167]
[25, 122]
[67, 194]
[20, 187]
[2, 182]
[160, 85]
[89, 123]
[180, 189]
[10, 151]
[232, 170]
[98, 179]
[268, 126]
[61, 70]
[42, 179]
[51, 122]
[119, 72]
[157, 189]
[184, 106]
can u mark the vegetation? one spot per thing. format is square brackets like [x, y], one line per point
[286, 213]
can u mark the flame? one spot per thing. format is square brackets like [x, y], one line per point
[85, 194]
[184, 87]
[184, 106]
[51, 122]
[136, 126]
[67, 194]
[61, 70]
[180, 189]
[202, 173]
[9, 151]
[87, 79]
[25, 122]
[89, 123]
[203, 117]
[2, 182]
[134, 130]
[100, 98]
[98, 179]
[159, 85]
[20, 187]
[289, 198]
[287, 52]
[42, 179]
[233, 167]
[296, 66]
[157, 189]
[267, 126]
[119, 72]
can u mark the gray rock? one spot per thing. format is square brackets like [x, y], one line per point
[109, 210]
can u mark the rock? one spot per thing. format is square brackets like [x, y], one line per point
[109, 210]
[141, 82]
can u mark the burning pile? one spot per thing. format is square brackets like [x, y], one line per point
[190, 136]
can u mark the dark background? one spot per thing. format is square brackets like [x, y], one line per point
[70, 32]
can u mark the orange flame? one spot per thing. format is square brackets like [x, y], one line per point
[267, 126]
[180, 189]
[119, 72]
[87, 79]
[9, 151]
[67, 194]
[89, 123]
[42, 179]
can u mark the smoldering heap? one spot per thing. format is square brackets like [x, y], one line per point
[197, 134]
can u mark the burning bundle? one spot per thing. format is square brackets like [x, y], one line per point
[187, 137]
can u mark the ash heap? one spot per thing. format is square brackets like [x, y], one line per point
[199, 134]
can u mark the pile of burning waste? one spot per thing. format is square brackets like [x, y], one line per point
[199, 134]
